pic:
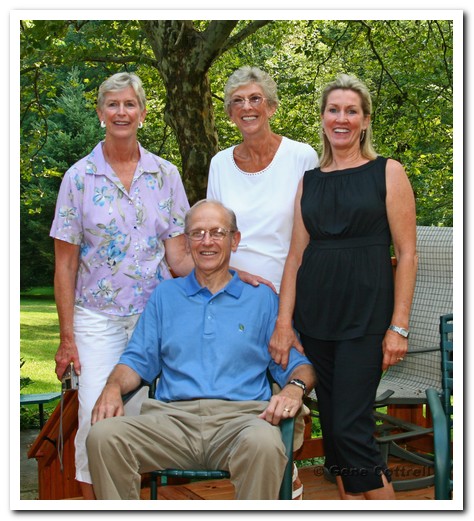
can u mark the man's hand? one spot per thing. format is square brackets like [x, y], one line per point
[109, 404]
[285, 404]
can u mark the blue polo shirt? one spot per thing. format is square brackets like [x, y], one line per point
[208, 345]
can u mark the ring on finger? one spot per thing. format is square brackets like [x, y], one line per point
[286, 409]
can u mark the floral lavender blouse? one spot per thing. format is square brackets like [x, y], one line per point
[120, 233]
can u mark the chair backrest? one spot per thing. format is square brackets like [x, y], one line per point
[433, 297]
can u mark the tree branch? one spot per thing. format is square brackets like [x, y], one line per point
[404, 96]
[214, 40]
[121, 59]
[249, 29]
[218, 39]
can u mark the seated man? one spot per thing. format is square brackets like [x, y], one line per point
[207, 336]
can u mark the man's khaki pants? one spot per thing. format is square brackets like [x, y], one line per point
[197, 434]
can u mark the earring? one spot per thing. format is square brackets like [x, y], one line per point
[102, 124]
[140, 125]
[362, 136]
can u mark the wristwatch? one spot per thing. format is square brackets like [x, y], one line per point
[400, 330]
[298, 383]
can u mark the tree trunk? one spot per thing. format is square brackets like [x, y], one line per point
[184, 56]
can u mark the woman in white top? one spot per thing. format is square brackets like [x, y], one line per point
[258, 179]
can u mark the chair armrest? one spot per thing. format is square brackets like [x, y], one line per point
[128, 396]
[442, 457]
[287, 427]
[380, 400]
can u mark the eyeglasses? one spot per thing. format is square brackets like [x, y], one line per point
[254, 101]
[216, 234]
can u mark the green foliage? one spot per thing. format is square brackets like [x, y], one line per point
[71, 130]
[407, 65]
[36, 247]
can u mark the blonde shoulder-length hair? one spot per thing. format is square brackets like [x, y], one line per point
[348, 82]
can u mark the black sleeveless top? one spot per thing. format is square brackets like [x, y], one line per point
[344, 286]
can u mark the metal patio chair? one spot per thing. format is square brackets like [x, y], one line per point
[441, 408]
[159, 478]
[406, 383]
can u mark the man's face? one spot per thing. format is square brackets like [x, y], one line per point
[211, 254]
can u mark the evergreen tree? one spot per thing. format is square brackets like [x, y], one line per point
[72, 131]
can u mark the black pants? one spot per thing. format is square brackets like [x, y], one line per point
[348, 373]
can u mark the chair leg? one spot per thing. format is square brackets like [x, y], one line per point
[153, 487]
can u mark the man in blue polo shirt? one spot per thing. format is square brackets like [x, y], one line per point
[207, 336]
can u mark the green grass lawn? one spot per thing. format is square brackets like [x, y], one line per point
[39, 340]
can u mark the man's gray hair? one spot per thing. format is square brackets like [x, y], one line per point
[230, 213]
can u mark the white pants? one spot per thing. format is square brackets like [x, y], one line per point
[100, 340]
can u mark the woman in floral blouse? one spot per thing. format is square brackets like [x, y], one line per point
[118, 229]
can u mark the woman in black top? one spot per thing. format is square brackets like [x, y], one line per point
[338, 284]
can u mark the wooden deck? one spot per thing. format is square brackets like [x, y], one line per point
[316, 487]
[54, 484]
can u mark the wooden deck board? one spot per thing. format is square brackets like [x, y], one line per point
[316, 487]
